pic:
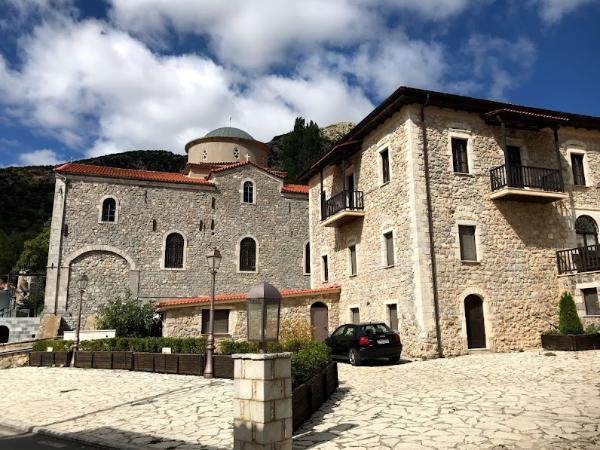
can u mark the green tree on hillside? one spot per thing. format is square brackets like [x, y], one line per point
[34, 256]
[297, 150]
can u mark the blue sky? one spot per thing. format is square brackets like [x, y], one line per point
[86, 78]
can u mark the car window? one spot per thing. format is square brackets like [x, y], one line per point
[350, 331]
[376, 328]
[339, 331]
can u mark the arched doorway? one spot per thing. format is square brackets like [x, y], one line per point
[4, 332]
[319, 321]
[475, 322]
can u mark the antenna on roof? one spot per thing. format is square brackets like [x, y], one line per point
[230, 121]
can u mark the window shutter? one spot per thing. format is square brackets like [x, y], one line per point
[460, 160]
[468, 251]
[389, 248]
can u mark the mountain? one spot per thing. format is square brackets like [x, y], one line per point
[27, 193]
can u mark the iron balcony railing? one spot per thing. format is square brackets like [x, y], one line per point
[526, 177]
[345, 200]
[578, 260]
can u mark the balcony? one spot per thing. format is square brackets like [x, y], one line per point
[578, 260]
[526, 184]
[342, 208]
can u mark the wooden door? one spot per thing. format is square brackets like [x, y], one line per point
[319, 320]
[475, 322]
[515, 175]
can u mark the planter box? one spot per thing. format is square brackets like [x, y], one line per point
[102, 360]
[571, 342]
[171, 363]
[62, 359]
[191, 364]
[332, 382]
[159, 362]
[47, 359]
[122, 360]
[301, 405]
[143, 362]
[35, 359]
[84, 359]
[223, 366]
[309, 397]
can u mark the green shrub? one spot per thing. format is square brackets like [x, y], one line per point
[551, 332]
[592, 329]
[308, 361]
[57, 345]
[129, 317]
[569, 322]
[147, 345]
[231, 347]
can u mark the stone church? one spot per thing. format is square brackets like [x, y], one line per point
[149, 233]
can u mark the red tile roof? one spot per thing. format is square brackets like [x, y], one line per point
[294, 189]
[227, 297]
[128, 174]
[277, 173]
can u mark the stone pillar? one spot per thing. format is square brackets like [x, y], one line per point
[262, 401]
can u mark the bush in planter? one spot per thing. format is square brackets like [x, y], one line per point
[308, 361]
[146, 345]
[57, 345]
[129, 317]
[569, 322]
[592, 329]
[231, 347]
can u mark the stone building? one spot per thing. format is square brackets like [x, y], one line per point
[459, 221]
[149, 232]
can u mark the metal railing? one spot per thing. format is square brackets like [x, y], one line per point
[578, 260]
[344, 200]
[526, 177]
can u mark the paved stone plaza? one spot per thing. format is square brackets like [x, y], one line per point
[502, 401]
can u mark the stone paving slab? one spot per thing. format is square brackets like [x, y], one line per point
[120, 408]
[488, 401]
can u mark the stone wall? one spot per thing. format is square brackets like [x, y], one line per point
[21, 328]
[185, 321]
[206, 217]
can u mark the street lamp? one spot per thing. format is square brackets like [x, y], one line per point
[263, 313]
[214, 261]
[82, 283]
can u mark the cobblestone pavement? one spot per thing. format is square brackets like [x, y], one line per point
[500, 401]
[120, 408]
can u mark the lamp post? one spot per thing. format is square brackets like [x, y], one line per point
[263, 313]
[214, 260]
[82, 283]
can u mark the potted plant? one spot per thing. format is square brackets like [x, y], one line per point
[570, 334]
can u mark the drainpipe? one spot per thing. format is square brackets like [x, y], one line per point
[322, 196]
[436, 305]
[557, 152]
[505, 151]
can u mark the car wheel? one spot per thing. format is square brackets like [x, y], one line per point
[354, 357]
[394, 359]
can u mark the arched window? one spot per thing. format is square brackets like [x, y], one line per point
[248, 196]
[248, 255]
[587, 231]
[174, 251]
[307, 258]
[109, 210]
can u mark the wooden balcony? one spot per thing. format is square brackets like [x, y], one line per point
[342, 208]
[526, 184]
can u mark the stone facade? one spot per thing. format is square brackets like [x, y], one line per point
[184, 321]
[20, 328]
[129, 252]
[515, 273]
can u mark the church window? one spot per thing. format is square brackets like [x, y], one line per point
[248, 192]
[109, 210]
[174, 247]
[204, 154]
[236, 153]
[248, 255]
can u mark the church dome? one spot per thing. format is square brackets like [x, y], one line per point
[229, 132]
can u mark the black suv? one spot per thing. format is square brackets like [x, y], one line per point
[364, 341]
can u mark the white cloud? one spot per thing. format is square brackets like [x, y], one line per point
[42, 157]
[552, 11]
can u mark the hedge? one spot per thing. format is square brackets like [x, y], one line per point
[147, 344]
[568, 320]
[308, 359]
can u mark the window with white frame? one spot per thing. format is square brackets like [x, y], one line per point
[355, 315]
[248, 192]
[221, 321]
[468, 246]
[392, 313]
[590, 297]
[109, 210]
